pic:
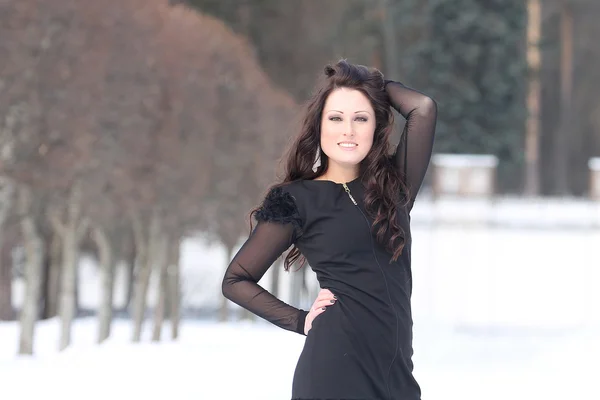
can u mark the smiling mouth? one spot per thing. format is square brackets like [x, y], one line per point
[347, 145]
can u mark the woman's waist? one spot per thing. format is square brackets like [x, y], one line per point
[367, 306]
[367, 327]
[381, 295]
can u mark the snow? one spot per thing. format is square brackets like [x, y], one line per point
[464, 160]
[212, 361]
[505, 301]
[531, 215]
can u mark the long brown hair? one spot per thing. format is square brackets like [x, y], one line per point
[386, 190]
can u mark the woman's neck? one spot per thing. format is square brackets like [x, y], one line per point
[337, 178]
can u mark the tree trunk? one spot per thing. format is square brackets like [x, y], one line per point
[144, 245]
[6, 311]
[44, 278]
[7, 190]
[562, 133]
[388, 33]
[53, 277]
[34, 255]
[107, 277]
[70, 234]
[532, 134]
[8, 126]
[76, 290]
[130, 265]
[141, 256]
[224, 310]
[67, 305]
[161, 261]
[174, 288]
[298, 285]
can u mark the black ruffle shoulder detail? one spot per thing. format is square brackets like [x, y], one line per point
[279, 206]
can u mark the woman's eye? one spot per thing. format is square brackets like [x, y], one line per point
[337, 118]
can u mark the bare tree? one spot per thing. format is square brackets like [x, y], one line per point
[7, 191]
[131, 132]
[52, 275]
[16, 84]
[532, 135]
[34, 249]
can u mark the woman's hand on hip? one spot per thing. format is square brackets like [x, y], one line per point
[323, 300]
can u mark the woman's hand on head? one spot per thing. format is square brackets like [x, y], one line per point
[324, 299]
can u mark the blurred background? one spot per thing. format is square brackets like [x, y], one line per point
[136, 136]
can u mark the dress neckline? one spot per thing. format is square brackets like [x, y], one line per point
[332, 182]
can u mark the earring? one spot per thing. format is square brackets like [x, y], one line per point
[317, 162]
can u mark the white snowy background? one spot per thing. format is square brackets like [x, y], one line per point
[506, 305]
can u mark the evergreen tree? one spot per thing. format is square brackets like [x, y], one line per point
[476, 69]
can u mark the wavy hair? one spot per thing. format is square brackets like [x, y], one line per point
[385, 187]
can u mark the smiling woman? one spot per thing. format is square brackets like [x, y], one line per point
[347, 129]
[349, 218]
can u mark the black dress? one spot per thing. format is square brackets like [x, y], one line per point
[361, 346]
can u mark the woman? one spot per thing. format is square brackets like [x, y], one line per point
[347, 214]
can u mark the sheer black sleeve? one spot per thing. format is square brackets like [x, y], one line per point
[416, 144]
[278, 226]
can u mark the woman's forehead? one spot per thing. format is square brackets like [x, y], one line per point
[347, 100]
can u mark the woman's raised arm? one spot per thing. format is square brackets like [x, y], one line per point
[414, 150]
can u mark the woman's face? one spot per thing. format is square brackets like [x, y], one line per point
[347, 127]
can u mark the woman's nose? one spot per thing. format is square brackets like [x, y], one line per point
[349, 131]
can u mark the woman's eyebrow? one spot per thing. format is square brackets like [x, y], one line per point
[355, 112]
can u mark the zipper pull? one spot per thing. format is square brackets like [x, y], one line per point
[349, 194]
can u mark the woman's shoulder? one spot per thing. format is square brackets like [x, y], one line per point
[305, 191]
[288, 193]
[297, 189]
[302, 191]
[279, 205]
[289, 198]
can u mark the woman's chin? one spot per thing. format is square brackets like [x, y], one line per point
[348, 159]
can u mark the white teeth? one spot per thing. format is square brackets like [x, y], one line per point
[348, 144]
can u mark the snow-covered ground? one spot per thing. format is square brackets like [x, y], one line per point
[256, 361]
[506, 303]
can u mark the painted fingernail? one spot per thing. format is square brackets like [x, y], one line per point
[332, 301]
[323, 308]
[335, 297]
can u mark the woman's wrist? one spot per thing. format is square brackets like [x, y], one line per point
[301, 327]
[388, 81]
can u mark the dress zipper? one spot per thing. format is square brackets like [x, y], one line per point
[387, 289]
[349, 194]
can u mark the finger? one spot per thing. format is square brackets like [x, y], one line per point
[324, 303]
[319, 305]
[318, 308]
[325, 294]
[312, 314]
[318, 312]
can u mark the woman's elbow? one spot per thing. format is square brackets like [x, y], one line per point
[428, 106]
[227, 287]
